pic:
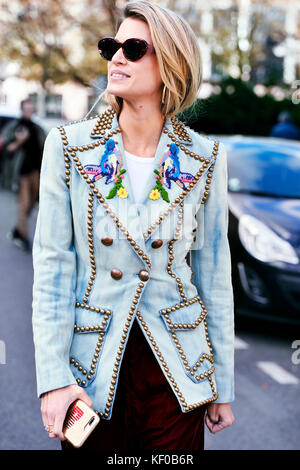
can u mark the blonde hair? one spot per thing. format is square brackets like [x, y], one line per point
[177, 52]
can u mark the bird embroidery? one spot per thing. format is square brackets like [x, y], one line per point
[171, 168]
[109, 167]
[109, 164]
[169, 171]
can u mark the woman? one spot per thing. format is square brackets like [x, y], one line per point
[111, 280]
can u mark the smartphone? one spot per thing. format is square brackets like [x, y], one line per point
[80, 421]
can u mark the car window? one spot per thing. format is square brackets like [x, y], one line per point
[272, 169]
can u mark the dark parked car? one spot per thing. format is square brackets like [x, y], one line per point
[264, 226]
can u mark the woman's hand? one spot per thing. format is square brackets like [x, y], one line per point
[22, 135]
[55, 405]
[219, 416]
[20, 138]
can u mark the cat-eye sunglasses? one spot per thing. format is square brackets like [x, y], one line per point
[133, 48]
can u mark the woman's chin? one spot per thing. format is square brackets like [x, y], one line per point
[116, 89]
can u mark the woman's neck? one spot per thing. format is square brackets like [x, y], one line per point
[141, 127]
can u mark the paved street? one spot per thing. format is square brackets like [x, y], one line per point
[266, 408]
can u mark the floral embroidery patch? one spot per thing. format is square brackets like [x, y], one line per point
[118, 187]
[109, 167]
[169, 171]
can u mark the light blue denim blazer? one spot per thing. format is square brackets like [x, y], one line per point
[101, 262]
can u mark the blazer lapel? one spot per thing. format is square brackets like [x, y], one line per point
[140, 220]
[148, 211]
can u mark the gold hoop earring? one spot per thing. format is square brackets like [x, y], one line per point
[163, 94]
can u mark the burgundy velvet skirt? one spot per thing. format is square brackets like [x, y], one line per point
[146, 414]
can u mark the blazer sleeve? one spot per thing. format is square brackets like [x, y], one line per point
[211, 264]
[54, 264]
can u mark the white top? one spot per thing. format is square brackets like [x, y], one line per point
[139, 169]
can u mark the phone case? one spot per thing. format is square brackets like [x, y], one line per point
[80, 421]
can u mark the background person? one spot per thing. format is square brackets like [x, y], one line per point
[23, 142]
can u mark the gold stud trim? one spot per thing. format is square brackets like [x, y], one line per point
[211, 170]
[66, 155]
[191, 370]
[182, 304]
[92, 308]
[104, 122]
[172, 327]
[169, 374]
[73, 152]
[178, 230]
[120, 351]
[181, 196]
[179, 326]
[180, 130]
[91, 247]
[90, 329]
[69, 123]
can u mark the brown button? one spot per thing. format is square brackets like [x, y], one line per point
[157, 243]
[116, 273]
[107, 241]
[144, 275]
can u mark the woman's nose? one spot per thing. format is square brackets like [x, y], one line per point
[119, 57]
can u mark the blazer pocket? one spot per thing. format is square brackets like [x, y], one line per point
[186, 325]
[87, 345]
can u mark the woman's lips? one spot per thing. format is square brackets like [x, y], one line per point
[116, 75]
